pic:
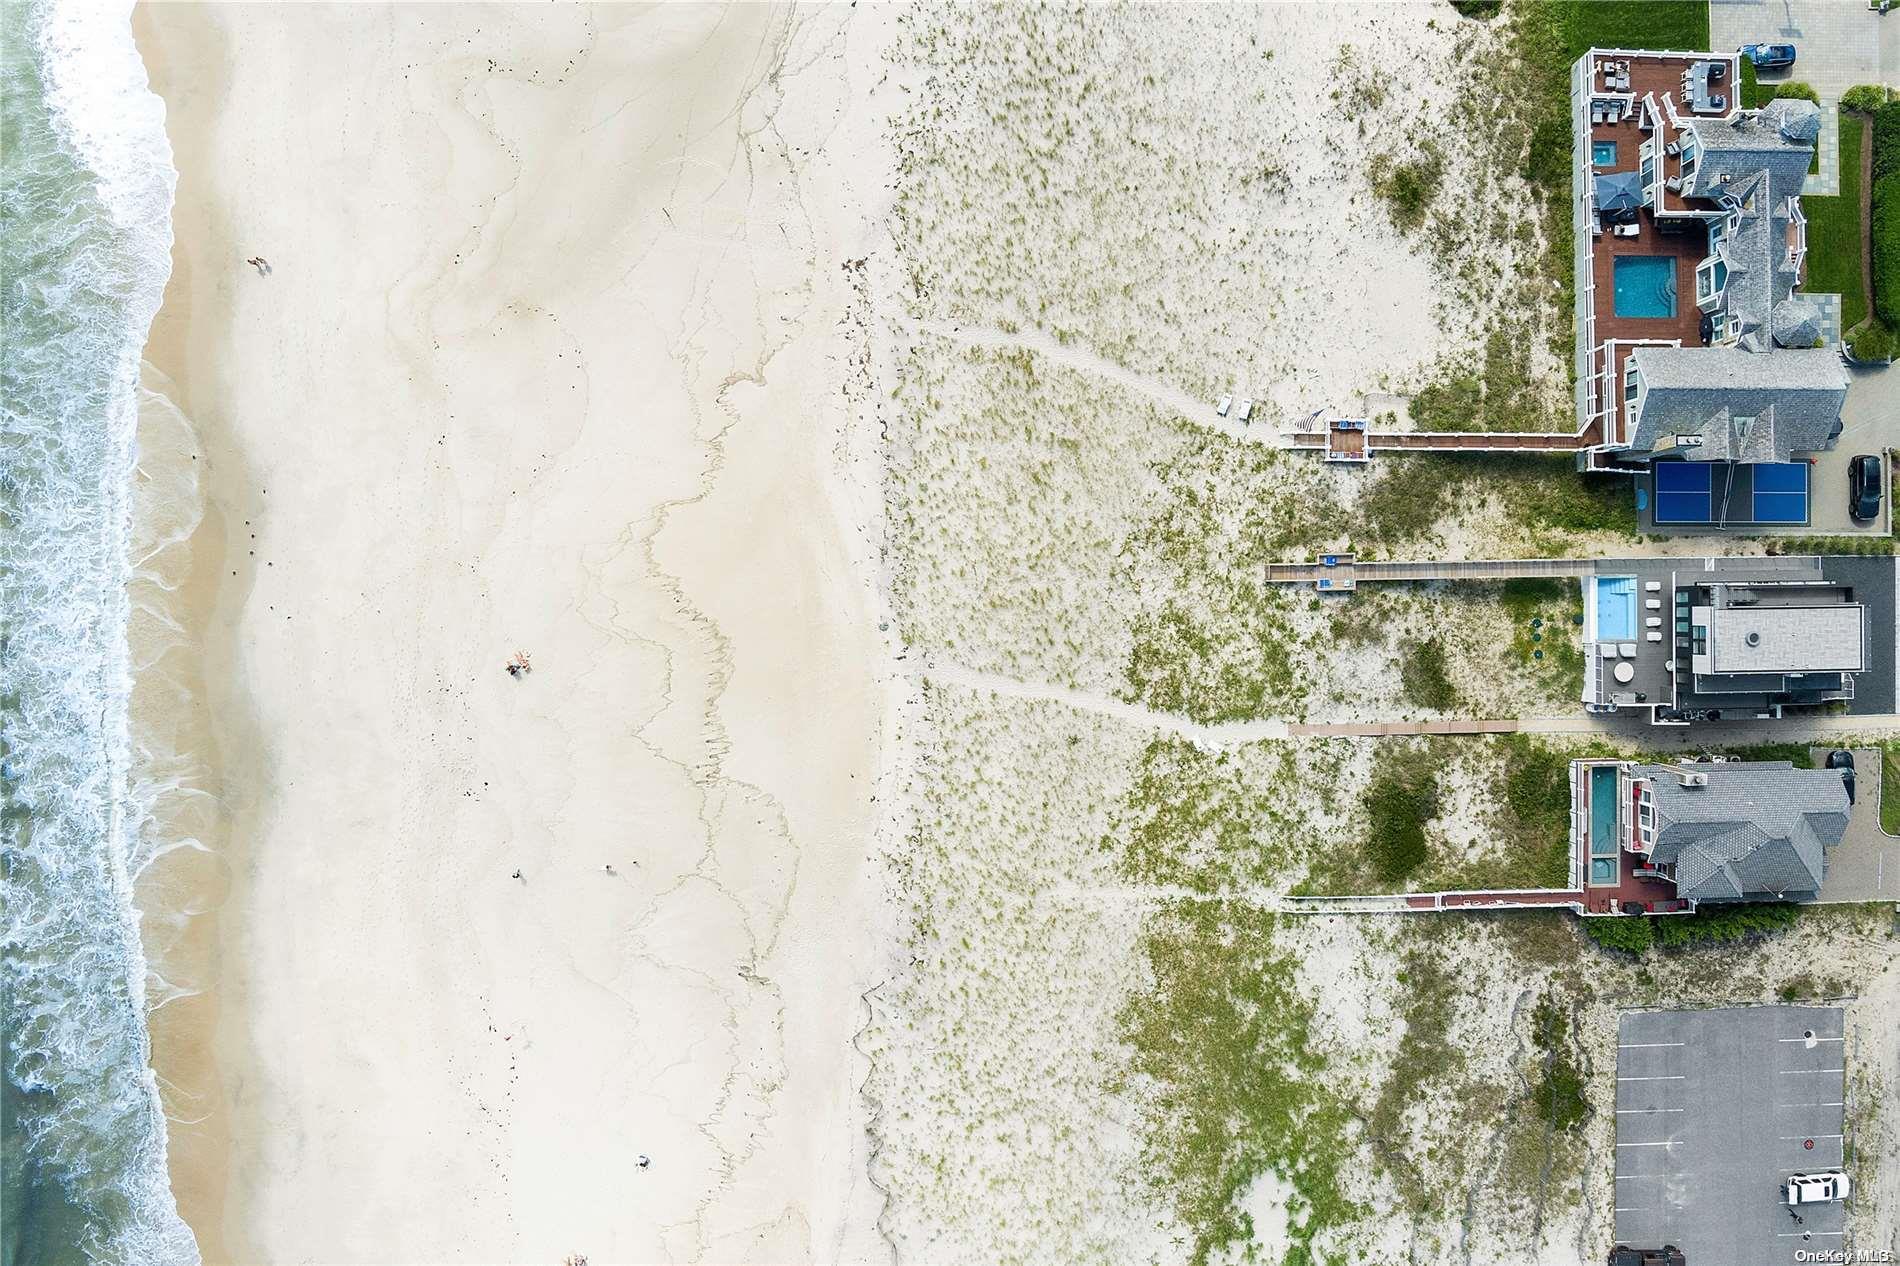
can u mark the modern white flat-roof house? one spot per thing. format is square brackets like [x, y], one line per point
[1688, 640]
[1694, 342]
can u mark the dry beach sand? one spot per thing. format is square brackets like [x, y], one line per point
[547, 359]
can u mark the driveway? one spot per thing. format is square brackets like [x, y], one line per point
[1839, 43]
[1865, 865]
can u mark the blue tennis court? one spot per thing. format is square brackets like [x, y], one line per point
[1754, 493]
[1781, 492]
[1684, 492]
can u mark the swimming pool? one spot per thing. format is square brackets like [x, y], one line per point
[1645, 285]
[1614, 611]
[1603, 807]
[1603, 153]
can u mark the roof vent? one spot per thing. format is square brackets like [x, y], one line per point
[1752, 637]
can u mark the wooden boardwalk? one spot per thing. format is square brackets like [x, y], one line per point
[1343, 572]
[1460, 441]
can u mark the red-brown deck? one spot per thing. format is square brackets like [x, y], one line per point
[1654, 894]
[1687, 248]
[1657, 78]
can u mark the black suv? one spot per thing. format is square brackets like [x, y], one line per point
[1843, 760]
[1667, 1255]
[1863, 487]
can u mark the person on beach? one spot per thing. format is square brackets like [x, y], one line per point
[261, 264]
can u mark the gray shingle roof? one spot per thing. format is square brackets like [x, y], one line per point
[1758, 830]
[1796, 323]
[1688, 388]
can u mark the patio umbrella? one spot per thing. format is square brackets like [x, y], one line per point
[1620, 194]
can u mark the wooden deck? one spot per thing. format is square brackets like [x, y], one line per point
[1683, 240]
[1686, 248]
[1653, 894]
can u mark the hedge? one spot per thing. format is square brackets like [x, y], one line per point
[1886, 262]
[1886, 140]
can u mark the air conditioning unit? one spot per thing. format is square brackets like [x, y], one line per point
[1694, 780]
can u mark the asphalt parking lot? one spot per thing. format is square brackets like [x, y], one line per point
[1714, 1109]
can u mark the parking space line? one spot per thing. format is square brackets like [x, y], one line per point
[1631, 1208]
[1623, 1112]
[1789, 1138]
[1816, 1040]
[1789, 1072]
[1665, 1143]
[1636, 1046]
[1671, 1077]
[1789, 1235]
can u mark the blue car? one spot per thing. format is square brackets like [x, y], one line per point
[1769, 56]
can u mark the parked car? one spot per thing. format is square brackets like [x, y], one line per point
[1863, 486]
[1667, 1255]
[1843, 760]
[1822, 1188]
[1769, 56]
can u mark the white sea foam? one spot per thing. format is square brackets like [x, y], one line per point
[88, 189]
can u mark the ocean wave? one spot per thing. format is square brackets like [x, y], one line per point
[86, 199]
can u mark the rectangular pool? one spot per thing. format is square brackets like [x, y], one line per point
[1603, 153]
[1614, 610]
[1645, 285]
[1603, 833]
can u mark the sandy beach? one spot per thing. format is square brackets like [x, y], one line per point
[546, 360]
[883, 852]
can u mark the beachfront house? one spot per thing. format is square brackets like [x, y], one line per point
[1694, 341]
[1665, 837]
[1707, 639]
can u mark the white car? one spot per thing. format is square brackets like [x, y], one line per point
[1822, 1188]
[1226, 403]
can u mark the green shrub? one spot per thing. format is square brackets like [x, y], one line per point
[1403, 797]
[1866, 98]
[1480, 9]
[1408, 188]
[1422, 672]
[1793, 91]
[1872, 343]
[1886, 226]
[1628, 933]
[1558, 1091]
[1720, 925]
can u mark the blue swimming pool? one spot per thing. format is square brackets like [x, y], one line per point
[1603, 153]
[1645, 285]
[1603, 807]
[1614, 610]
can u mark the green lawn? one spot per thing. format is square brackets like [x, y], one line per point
[1659, 24]
[1834, 240]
